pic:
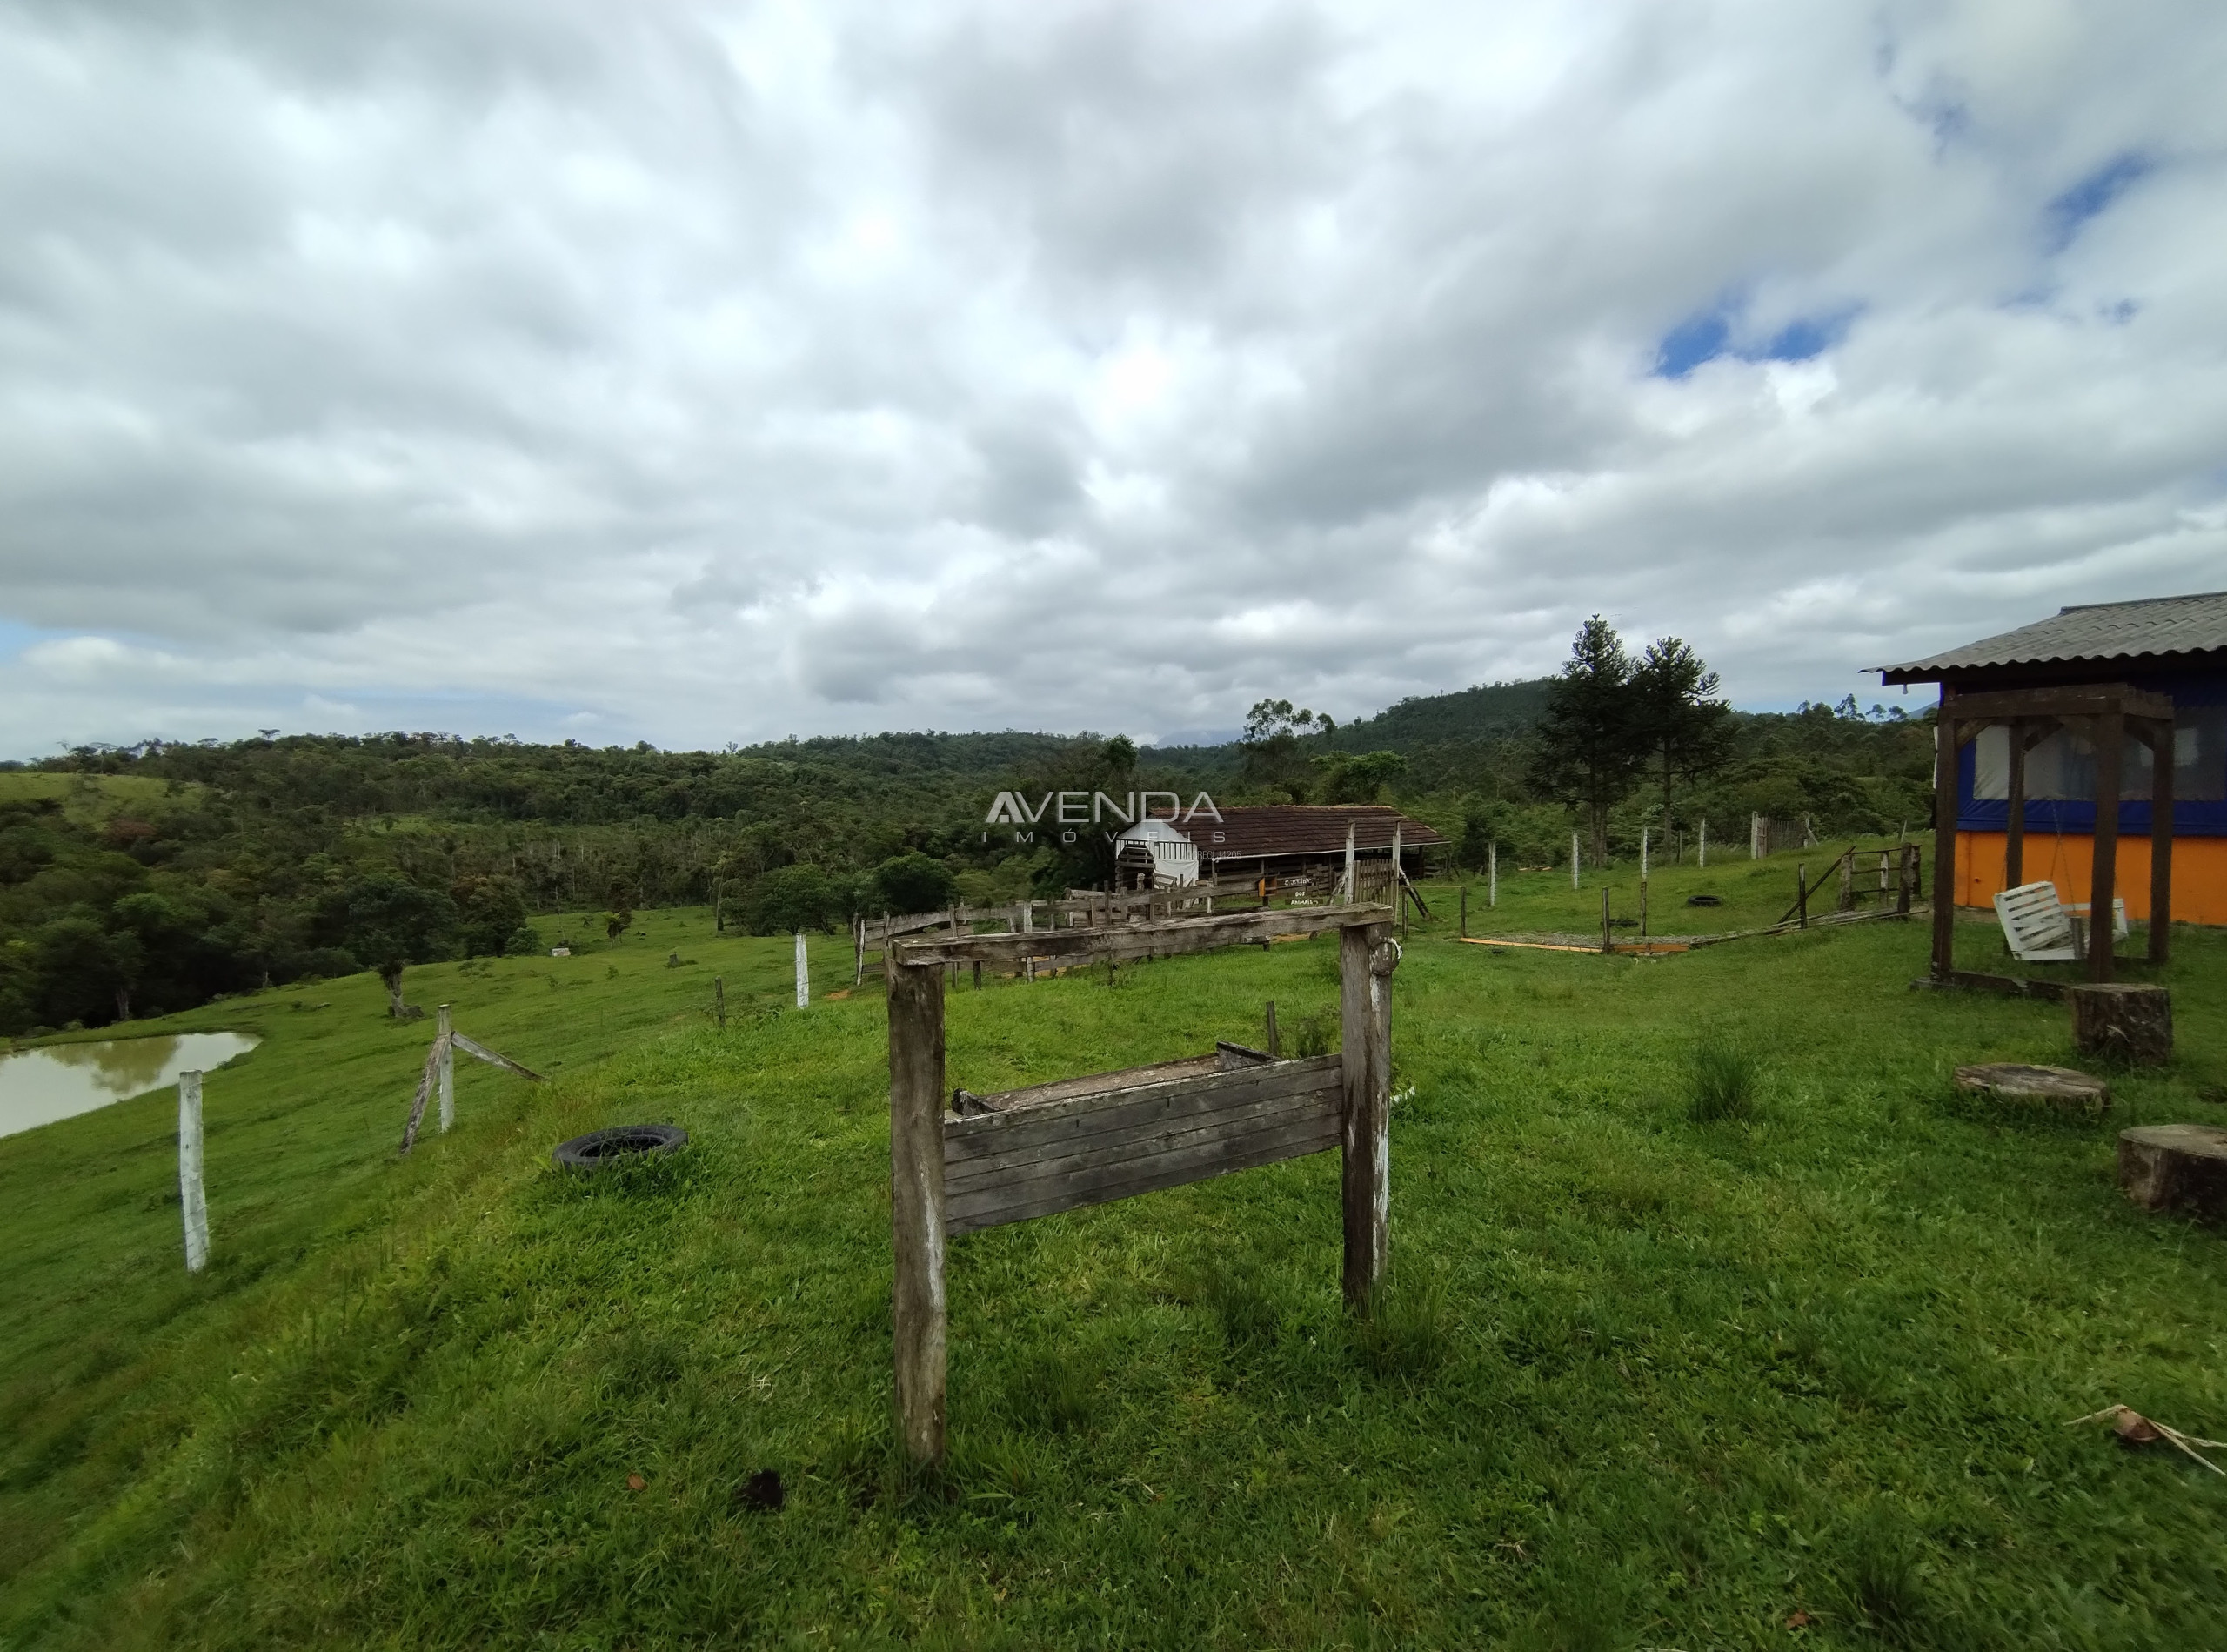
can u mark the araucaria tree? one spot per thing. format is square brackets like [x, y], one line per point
[1591, 744]
[1685, 730]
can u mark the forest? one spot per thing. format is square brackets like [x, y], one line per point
[136, 880]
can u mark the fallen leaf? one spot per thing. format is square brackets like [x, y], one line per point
[1799, 1619]
[635, 1483]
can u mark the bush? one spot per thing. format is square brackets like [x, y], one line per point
[793, 897]
[1723, 1080]
[914, 882]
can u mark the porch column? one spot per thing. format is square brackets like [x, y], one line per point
[2161, 840]
[2111, 738]
[1945, 840]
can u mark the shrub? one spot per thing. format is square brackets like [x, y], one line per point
[1724, 1077]
[914, 882]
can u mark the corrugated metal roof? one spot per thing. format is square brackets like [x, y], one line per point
[1304, 829]
[2191, 625]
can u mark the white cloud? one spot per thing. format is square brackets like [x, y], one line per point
[703, 374]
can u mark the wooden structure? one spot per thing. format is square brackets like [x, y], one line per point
[2111, 711]
[1287, 843]
[2039, 929]
[2090, 743]
[2176, 1166]
[440, 1068]
[986, 1160]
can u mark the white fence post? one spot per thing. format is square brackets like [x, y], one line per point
[195, 1203]
[448, 1075]
[1492, 873]
[1573, 859]
[803, 976]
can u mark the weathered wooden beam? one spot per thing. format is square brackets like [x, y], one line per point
[1292, 1133]
[2090, 699]
[1945, 839]
[2102, 938]
[916, 1204]
[2161, 842]
[1169, 938]
[473, 1047]
[1367, 957]
[1067, 1117]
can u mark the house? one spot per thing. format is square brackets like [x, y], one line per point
[1154, 854]
[2138, 660]
[1293, 845]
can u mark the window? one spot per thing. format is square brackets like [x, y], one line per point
[2063, 766]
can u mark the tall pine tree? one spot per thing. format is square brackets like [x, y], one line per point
[1591, 743]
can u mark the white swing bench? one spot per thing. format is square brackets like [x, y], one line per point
[2042, 929]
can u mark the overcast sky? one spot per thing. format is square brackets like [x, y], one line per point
[703, 374]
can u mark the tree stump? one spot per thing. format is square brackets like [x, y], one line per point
[2176, 1166]
[2021, 1083]
[2129, 1021]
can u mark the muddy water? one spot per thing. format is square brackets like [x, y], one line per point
[38, 1087]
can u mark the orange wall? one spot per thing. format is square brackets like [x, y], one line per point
[2199, 872]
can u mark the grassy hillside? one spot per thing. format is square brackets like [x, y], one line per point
[1640, 1380]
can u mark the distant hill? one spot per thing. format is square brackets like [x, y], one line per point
[1468, 716]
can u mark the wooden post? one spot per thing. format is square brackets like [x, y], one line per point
[1346, 894]
[2014, 846]
[719, 906]
[1605, 946]
[2111, 738]
[1944, 840]
[1028, 927]
[2161, 842]
[978, 974]
[1573, 861]
[1847, 881]
[1275, 1038]
[916, 1308]
[1642, 883]
[804, 974]
[858, 945]
[447, 1073]
[1367, 957]
[1399, 890]
[1465, 912]
[1800, 895]
[1704, 857]
[1492, 874]
[719, 1000]
[190, 1196]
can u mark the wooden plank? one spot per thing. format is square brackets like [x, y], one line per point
[1318, 1111]
[916, 1204]
[1247, 1152]
[1367, 957]
[970, 1138]
[2087, 699]
[1170, 938]
[1037, 1095]
[1018, 1150]
[446, 1035]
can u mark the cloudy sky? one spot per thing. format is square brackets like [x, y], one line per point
[699, 374]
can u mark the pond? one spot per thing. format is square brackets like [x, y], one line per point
[37, 1087]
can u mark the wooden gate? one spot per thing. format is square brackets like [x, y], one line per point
[986, 1161]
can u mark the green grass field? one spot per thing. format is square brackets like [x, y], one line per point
[1796, 1376]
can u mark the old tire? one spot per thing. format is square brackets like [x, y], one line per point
[600, 1147]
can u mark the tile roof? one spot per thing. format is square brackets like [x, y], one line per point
[1304, 829]
[2099, 631]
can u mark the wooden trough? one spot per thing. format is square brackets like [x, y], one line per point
[986, 1161]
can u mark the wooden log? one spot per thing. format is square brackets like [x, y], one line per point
[2129, 1022]
[804, 974]
[1023, 1121]
[1171, 938]
[2177, 1167]
[425, 1089]
[916, 1204]
[2096, 700]
[1367, 957]
[719, 999]
[191, 1197]
[2019, 1081]
[447, 1076]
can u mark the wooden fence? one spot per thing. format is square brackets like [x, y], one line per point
[986, 1160]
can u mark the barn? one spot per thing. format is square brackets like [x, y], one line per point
[2028, 783]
